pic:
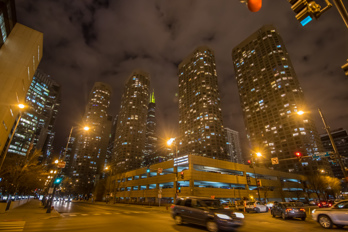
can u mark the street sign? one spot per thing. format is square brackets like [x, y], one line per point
[181, 160]
[61, 164]
[159, 170]
[275, 160]
[50, 190]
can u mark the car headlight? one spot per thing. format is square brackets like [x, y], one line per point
[239, 215]
[223, 216]
[313, 211]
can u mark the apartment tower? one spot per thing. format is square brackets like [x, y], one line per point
[131, 126]
[270, 96]
[201, 129]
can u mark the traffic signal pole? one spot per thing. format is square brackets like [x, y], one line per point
[337, 155]
[256, 179]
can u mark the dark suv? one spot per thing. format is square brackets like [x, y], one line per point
[206, 212]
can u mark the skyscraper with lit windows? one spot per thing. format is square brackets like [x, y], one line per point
[233, 146]
[131, 126]
[271, 96]
[201, 129]
[90, 152]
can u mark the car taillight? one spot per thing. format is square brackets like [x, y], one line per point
[318, 204]
[288, 210]
[303, 210]
[329, 204]
[172, 206]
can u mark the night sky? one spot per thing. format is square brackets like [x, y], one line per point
[99, 40]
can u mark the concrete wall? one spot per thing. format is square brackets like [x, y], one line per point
[19, 59]
[14, 204]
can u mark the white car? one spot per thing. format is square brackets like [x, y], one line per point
[270, 204]
[336, 215]
[256, 206]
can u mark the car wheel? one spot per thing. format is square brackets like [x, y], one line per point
[283, 216]
[303, 219]
[178, 219]
[212, 226]
[325, 221]
[339, 226]
[257, 210]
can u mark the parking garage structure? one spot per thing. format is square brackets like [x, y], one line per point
[204, 177]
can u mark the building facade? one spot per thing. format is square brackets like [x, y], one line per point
[90, 152]
[270, 96]
[340, 137]
[205, 177]
[131, 126]
[20, 55]
[36, 124]
[233, 146]
[201, 129]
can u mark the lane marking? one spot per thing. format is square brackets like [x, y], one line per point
[72, 215]
[96, 214]
[84, 214]
[12, 226]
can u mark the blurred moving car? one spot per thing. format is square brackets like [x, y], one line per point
[336, 215]
[255, 206]
[206, 212]
[288, 210]
[270, 204]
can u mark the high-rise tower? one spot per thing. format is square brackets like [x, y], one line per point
[233, 146]
[131, 125]
[20, 55]
[151, 137]
[270, 96]
[90, 151]
[37, 120]
[201, 129]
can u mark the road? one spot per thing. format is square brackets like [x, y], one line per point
[79, 216]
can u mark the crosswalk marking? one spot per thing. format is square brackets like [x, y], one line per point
[84, 214]
[72, 215]
[12, 226]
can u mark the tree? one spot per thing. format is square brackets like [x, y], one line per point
[22, 174]
[324, 185]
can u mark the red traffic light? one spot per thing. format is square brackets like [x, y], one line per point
[182, 173]
[298, 154]
[254, 5]
[249, 161]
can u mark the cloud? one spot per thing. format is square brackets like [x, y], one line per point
[100, 40]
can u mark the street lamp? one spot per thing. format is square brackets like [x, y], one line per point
[20, 106]
[258, 154]
[86, 128]
[171, 143]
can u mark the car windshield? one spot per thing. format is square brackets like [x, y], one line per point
[212, 204]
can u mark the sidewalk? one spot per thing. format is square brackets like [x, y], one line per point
[31, 211]
[152, 207]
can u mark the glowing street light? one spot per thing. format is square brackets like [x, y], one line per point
[86, 128]
[258, 154]
[170, 141]
[21, 106]
[300, 112]
[56, 161]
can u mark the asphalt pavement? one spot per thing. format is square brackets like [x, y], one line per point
[88, 217]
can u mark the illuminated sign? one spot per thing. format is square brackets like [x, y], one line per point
[181, 160]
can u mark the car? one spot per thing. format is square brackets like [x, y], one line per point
[335, 215]
[205, 212]
[323, 204]
[288, 210]
[255, 206]
[270, 204]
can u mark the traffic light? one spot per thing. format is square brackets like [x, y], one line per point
[258, 183]
[248, 179]
[148, 169]
[182, 175]
[253, 5]
[299, 156]
[179, 188]
[57, 181]
[250, 164]
[307, 10]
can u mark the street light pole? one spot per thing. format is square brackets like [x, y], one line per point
[258, 188]
[337, 155]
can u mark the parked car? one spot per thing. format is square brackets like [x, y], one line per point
[336, 215]
[206, 212]
[255, 206]
[288, 210]
[312, 203]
